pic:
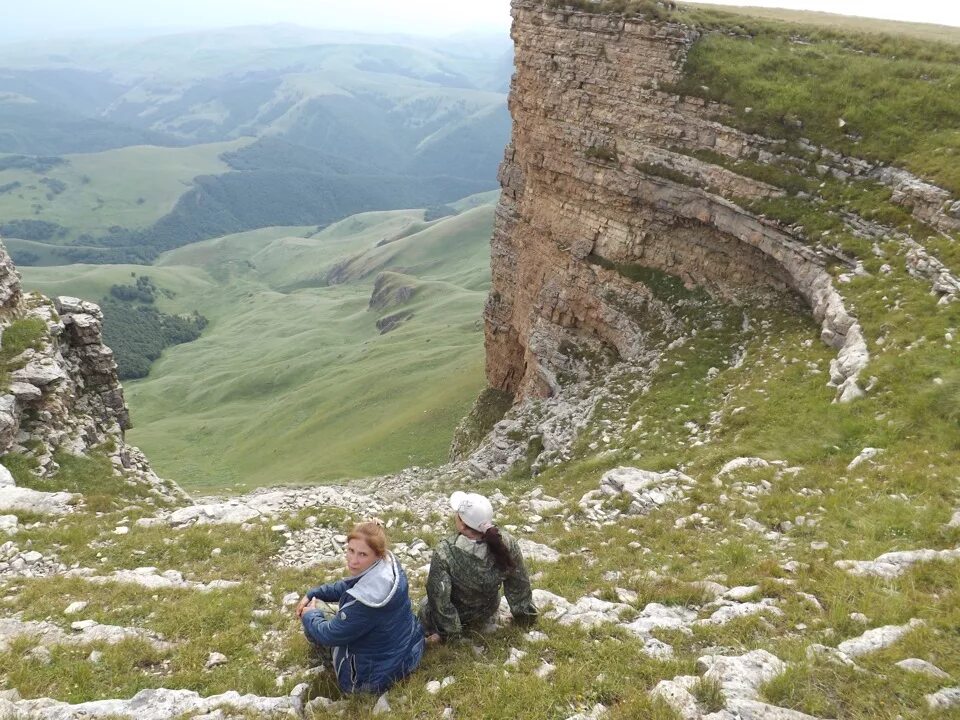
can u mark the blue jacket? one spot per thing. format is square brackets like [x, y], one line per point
[375, 637]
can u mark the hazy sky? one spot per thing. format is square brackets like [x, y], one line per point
[59, 18]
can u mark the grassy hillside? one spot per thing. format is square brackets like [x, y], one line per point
[292, 381]
[760, 543]
[131, 187]
[926, 32]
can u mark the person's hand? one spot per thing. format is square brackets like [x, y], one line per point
[433, 639]
[302, 606]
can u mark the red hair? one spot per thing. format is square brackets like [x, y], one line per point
[371, 532]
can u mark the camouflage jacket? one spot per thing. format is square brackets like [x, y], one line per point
[463, 587]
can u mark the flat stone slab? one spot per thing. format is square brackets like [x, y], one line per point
[159, 704]
[151, 579]
[537, 551]
[19, 499]
[922, 667]
[893, 564]
[47, 634]
[219, 514]
[877, 639]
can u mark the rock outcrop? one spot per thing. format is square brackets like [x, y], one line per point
[62, 391]
[602, 202]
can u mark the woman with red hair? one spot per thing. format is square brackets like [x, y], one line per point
[374, 636]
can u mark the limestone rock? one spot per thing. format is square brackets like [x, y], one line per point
[922, 667]
[16, 499]
[9, 281]
[160, 704]
[877, 639]
[728, 613]
[944, 699]
[739, 463]
[151, 579]
[676, 693]
[219, 514]
[39, 373]
[597, 712]
[587, 611]
[382, 706]
[587, 186]
[537, 551]
[47, 634]
[75, 607]
[647, 490]
[865, 455]
[215, 659]
[741, 676]
[655, 616]
[894, 564]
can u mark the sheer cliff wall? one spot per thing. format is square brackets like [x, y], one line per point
[599, 187]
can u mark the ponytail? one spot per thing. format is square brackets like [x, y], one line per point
[501, 553]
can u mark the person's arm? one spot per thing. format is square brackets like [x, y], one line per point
[516, 588]
[439, 589]
[330, 592]
[340, 628]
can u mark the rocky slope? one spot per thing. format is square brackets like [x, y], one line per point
[60, 390]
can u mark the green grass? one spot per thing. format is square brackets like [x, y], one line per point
[902, 503]
[895, 99]
[287, 357]
[20, 335]
[805, 19]
[131, 187]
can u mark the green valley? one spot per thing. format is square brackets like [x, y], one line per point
[114, 152]
[292, 381]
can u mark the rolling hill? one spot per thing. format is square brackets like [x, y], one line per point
[293, 380]
[118, 152]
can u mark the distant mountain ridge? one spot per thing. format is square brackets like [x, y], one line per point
[359, 122]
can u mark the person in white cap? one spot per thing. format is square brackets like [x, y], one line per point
[467, 571]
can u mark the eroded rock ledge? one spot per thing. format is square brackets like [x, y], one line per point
[591, 194]
[62, 391]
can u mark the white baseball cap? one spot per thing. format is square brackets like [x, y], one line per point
[475, 510]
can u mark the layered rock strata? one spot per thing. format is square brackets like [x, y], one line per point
[598, 206]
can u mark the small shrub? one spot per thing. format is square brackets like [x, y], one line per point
[604, 153]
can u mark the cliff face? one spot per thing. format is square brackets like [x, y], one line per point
[600, 189]
[60, 389]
